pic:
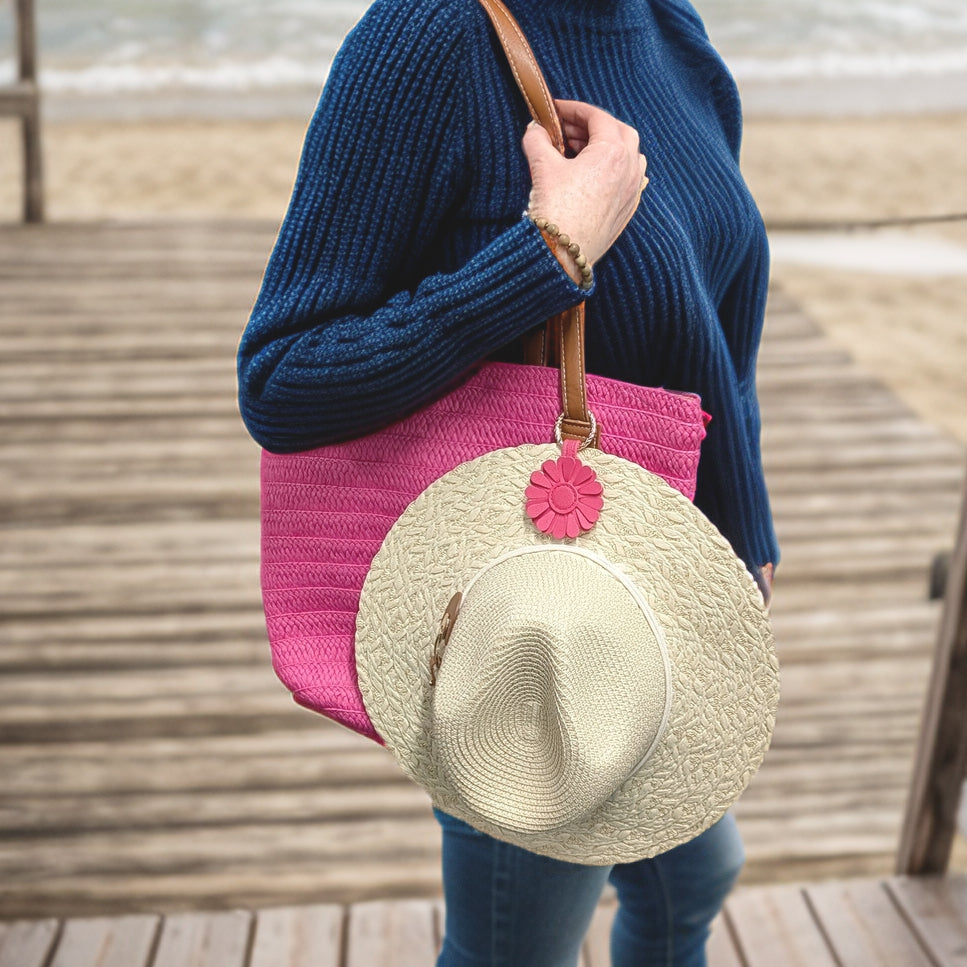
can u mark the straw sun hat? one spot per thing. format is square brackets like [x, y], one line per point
[598, 699]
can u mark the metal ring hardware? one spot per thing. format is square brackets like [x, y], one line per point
[587, 440]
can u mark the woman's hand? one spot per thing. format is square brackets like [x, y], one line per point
[592, 196]
[764, 576]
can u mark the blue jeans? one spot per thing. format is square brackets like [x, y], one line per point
[507, 907]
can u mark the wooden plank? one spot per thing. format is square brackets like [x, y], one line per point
[175, 293]
[164, 428]
[228, 232]
[909, 480]
[22, 695]
[188, 807]
[773, 926]
[871, 503]
[391, 934]
[785, 777]
[941, 758]
[936, 908]
[204, 940]
[170, 851]
[211, 762]
[720, 949]
[245, 710]
[119, 640]
[213, 884]
[863, 926]
[107, 942]
[169, 255]
[27, 943]
[307, 936]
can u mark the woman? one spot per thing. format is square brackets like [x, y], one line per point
[405, 258]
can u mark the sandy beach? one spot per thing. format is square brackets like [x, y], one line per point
[892, 300]
[895, 296]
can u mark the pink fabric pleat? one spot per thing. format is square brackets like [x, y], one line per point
[325, 512]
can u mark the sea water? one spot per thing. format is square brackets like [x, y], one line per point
[256, 57]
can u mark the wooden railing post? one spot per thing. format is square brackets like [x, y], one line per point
[22, 99]
[941, 757]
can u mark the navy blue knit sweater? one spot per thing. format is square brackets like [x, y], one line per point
[404, 257]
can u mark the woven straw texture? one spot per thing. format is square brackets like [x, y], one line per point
[725, 685]
[325, 512]
[538, 686]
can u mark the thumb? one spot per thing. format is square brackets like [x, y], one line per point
[538, 148]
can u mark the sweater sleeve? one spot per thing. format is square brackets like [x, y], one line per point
[731, 482]
[351, 329]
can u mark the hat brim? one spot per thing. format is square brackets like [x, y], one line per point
[725, 683]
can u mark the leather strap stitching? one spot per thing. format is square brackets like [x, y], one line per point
[501, 18]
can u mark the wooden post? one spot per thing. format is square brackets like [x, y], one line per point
[33, 161]
[22, 99]
[941, 758]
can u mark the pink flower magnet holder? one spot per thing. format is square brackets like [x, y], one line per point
[564, 498]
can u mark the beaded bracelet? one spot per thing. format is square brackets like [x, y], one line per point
[548, 228]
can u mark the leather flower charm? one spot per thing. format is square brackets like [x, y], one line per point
[564, 497]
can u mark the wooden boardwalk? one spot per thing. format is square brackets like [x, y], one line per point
[895, 922]
[149, 761]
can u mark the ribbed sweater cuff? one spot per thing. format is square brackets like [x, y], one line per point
[518, 284]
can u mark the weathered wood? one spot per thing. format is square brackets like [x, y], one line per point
[138, 707]
[936, 909]
[155, 811]
[26, 40]
[205, 887]
[228, 848]
[875, 922]
[401, 934]
[22, 99]
[720, 949]
[309, 936]
[776, 926]
[27, 943]
[204, 940]
[863, 926]
[107, 942]
[941, 758]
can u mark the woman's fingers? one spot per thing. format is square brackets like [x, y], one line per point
[584, 122]
[592, 195]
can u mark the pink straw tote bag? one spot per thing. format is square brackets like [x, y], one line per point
[325, 512]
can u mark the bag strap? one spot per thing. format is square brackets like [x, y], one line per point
[526, 71]
[564, 332]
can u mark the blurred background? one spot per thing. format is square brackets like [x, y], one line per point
[856, 113]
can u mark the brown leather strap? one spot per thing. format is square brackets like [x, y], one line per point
[576, 423]
[527, 73]
[563, 333]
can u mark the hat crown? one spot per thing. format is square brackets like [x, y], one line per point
[553, 690]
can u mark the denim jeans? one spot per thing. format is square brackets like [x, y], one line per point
[507, 907]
